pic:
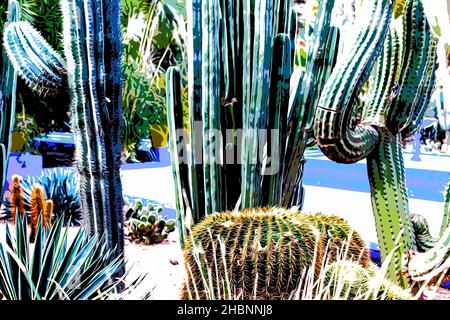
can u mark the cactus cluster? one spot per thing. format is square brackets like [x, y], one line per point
[40, 208]
[8, 85]
[91, 73]
[61, 186]
[146, 225]
[263, 253]
[241, 79]
[399, 60]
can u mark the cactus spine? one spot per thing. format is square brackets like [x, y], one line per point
[403, 64]
[240, 78]
[8, 85]
[92, 73]
[263, 253]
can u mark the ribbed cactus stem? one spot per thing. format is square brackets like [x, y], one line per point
[446, 218]
[8, 85]
[335, 137]
[276, 120]
[306, 87]
[390, 203]
[402, 83]
[37, 63]
[93, 50]
[177, 145]
[240, 94]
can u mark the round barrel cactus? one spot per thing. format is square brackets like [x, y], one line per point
[264, 253]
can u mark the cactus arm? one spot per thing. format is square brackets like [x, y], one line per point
[424, 97]
[7, 100]
[445, 219]
[175, 121]
[35, 61]
[332, 128]
[426, 265]
[194, 18]
[262, 50]
[433, 256]
[303, 99]
[276, 120]
[246, 92]
[214, 144]
[390, 202]
[417, 43]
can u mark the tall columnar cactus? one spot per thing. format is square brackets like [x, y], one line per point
[8, 84]
[401, 61]
[249, 110]
[92, 73]
[264, 253]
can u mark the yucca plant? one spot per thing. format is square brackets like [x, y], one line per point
[61, 186]
[55, 268]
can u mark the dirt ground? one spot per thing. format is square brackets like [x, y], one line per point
[163, 264]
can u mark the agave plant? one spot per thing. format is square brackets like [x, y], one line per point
[54, 268]
[61, 186]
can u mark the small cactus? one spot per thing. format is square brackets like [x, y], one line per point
[17, 203]
[349, 280]
[37, 209]
[265, 251]
[146, 225]
[48, 213]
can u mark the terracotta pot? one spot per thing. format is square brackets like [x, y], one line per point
[17, 141]
[159, 135]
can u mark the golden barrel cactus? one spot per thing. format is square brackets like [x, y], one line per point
[264, 253]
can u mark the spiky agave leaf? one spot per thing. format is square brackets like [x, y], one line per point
[54, 270]
[33, 58]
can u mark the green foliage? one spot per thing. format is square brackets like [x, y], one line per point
[46, 16]
[142, 100]
[146, 225]
[149, 47]
[55, 269]
[28, 128]
[264, 253]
